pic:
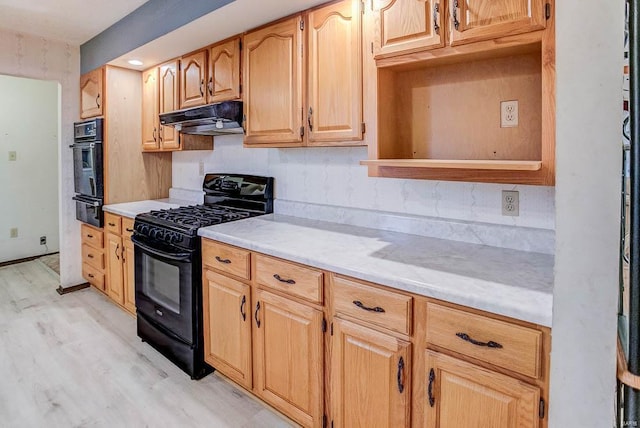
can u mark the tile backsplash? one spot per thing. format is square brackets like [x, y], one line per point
[334, 176]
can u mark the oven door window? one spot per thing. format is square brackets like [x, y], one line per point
[161, 282]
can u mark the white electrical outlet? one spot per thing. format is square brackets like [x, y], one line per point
[509, 114]
[13, 232]
[510, 203]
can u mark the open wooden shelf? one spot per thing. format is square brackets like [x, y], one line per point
[494, 165]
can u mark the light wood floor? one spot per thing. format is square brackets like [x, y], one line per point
[75, 361]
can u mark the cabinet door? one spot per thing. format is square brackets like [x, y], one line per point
[370, 377]
[193, 79]
[115, 283]
[129, 277]
[407, 25]
[272, 73]
[91, 94]
[473, 20]
[289, 357]
[150, 131]
[169, 101]
[463, 395]
[227, 326]
[334, 111]
[224, 71]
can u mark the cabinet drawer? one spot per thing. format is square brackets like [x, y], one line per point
[91, 236]
[289, 277]
[127, 227]
[226, 258]
[93, 276]
[113, 223]
[93, 257]
[384, 308]
[510, 346]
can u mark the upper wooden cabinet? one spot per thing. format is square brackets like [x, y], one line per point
[91, 93]
[169, 93]
[279, 76]
[474, 20]
[403, 26]
[150, 125]
[334, 107]
[407, 25]
[193, 79]
[224, 71]
[273, 95]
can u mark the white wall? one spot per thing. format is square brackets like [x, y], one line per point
[38, 58]
[29, 185]
[333, 176]
[589, 124]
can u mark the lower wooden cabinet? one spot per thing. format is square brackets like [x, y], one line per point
[115, 268]
[370, 377]
[120, 261]
[289, 357]
[331, 351]
[227, 320]
[463, 395]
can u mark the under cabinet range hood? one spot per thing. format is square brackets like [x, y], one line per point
[213, 119]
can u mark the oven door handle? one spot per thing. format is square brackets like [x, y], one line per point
[169, 256]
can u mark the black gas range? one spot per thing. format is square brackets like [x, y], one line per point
[168, 265]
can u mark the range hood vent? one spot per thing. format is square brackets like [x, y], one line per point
[214, 119]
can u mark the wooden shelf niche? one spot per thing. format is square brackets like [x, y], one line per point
[439, 118]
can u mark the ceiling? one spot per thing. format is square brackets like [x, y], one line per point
[77, 21]
[72, 21]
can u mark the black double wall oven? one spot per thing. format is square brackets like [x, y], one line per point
[88, 171]
[168, 265]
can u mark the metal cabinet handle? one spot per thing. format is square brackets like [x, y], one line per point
[112, 224]
[89, 236]
[432, 379]
[456, 23]
[129, 230]
[377, 309]
[202, 88]
[255, 315]
[242, 304]
[160, 132]
[436, 18]
[309, 119]
[90, 256]
[401, 375]
[489, 344]
[286, 281]
[117, 248]
[225, 261]
[154, 134]
[98, 100]
[122, 253]
[90, 275]
[210, 86]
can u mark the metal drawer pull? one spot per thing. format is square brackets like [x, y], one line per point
[90, 275]
[489, 344]
[255, 315]
[112, 224]
[129, 230]
[359, 304]
[401, 375]
[242, 312]
[287, 281]
[432, 378]
[89, 236]
[225, 261]
[90, 256]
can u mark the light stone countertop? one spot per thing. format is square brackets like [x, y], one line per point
[132, 209]
[507, 282]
